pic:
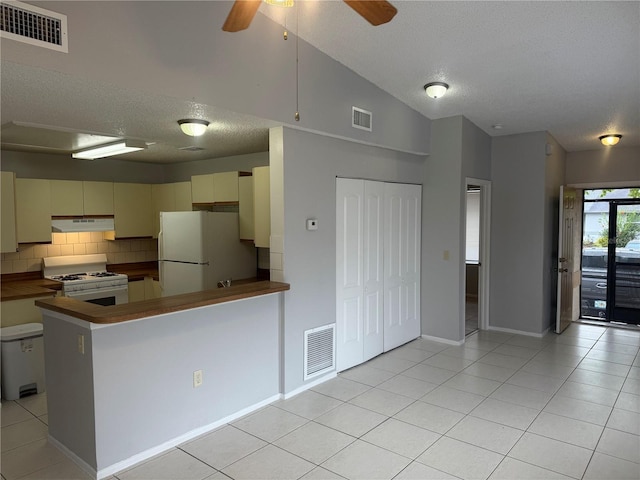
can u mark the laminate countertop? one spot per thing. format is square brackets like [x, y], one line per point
[28, 288]
[132, 311]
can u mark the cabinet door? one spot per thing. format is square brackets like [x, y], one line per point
[202, 188]
[9, 240]
[66, 198]
[349, 272]
[98, 198]
[33, 210]
[245, 207]
[132, 210]
[136, 291]
[225, 187]
[262, 206]
[401, 264]
[183, 196]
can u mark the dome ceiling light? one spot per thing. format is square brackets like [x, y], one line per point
[193, 127]
[610, 140]
[436, 89]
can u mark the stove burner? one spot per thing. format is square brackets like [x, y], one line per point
[67, 278]
[103, 274]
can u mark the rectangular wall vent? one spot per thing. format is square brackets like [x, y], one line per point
[319, 350]
[25, 23]
[361, 119]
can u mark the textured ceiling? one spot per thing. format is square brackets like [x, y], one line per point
[570, 68]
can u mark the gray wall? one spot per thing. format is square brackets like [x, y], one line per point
[62, 167]
[517, 232]
[459, 150]
[619, 165]
[38, 165]
[311, 164]
[177, 49]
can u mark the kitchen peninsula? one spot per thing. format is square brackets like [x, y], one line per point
[126, 382]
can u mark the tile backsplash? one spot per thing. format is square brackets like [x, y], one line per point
[29, 258]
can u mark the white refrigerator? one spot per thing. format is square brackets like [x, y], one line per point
[196, 250]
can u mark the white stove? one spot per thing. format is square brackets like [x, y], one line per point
[85, 277]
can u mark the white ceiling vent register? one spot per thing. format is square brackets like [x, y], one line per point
[36, 26]
[361, 119]
[319, 350]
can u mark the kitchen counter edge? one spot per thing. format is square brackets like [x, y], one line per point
[158, 306]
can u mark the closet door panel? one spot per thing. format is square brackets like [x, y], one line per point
[394, 252]
[349, 273]
[373, 269]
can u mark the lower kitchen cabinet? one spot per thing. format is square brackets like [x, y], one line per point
[21, 311]
[33, 210]
[146, 289]
[9, 240]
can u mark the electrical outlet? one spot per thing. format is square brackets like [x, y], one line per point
[81, 344]
[197, 378]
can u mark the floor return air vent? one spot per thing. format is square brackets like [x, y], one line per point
[319, 350]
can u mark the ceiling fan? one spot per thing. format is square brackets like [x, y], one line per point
[376, 12]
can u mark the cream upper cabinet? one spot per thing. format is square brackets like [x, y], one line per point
[70, 197]
[183, 196]
[132, 210]
[262, 206]
[225, 187]
[66, 198]
[214, 187]
[245, 207]
[9, 240]
[169, 197]
[97, 198]
[33, 210]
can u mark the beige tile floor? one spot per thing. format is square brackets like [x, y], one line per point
[500, 407]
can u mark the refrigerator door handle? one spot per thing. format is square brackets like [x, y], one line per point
[160, 248]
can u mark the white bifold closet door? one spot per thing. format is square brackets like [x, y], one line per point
[377, 268]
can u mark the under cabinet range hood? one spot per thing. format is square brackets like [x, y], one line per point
[67, 225]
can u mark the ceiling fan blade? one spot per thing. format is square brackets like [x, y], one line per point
[373, 11]
[241, 15]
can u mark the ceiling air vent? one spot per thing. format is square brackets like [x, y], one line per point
[191, 149]
[361, 119]
[36, 26]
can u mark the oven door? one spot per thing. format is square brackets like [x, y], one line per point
[102, 296]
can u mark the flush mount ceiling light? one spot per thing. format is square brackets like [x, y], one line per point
[436, 89]
[110, 150]
[610, 140]
[193, 127]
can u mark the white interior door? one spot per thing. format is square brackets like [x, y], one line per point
[349, 273]
[401, 264]
[566, 264]
[373, 321]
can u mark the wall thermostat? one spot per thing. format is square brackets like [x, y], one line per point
[312, 224]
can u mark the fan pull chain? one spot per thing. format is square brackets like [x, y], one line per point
[297, 115]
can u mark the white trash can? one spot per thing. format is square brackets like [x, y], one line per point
[22, 360]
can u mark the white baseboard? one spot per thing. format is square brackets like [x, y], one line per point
[309, 385]
[116, 467]
[443, 340]
[518, 332]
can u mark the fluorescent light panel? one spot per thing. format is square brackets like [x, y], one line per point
[118, 148]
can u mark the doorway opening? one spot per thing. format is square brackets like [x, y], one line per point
[610, 273]
[476, 250]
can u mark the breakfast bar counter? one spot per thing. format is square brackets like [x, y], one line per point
[127, 382]
[131, 311]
